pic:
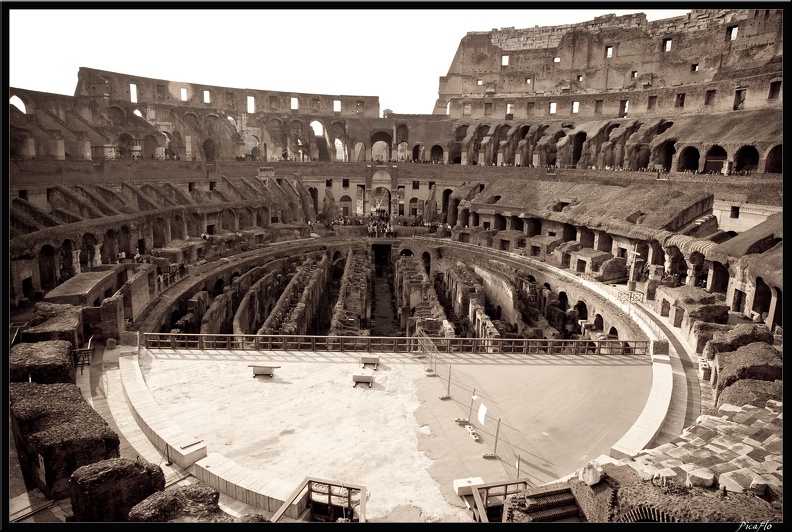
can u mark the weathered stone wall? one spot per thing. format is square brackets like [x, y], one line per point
[107, 490]
[44, 362]
[55, 432]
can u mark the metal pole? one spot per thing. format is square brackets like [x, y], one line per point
[448, 391]
[497, 430]
[472, 399]
[518, 467]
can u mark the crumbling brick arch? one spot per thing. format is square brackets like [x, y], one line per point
[773, 160]
[688, 160]
[714, 159]
[663, 154]
[746, 159]
[436, 153]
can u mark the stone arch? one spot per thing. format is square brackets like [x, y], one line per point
[688, 159]
[109, 248]
[577, 146]
[358, 151]
[381, 146]
[563, 301]
[252, 146]
[645, 514]
[413, 206]
[746, 159]
[664, 155]
[761, 300]
[381, 200]
[613, 332]
[427, 262]
[402, 152]
[87, 251]
[125, 146]
[67, 257]
[416, 152]
[714, 159]
[262, 217]
[773, 160]
[406, 252]
[582, 310]
[499, 222]
[17, 102]
[436, 153]
[48, 269]
[210, 149]
[345, 205]
[314, 198]
[534, 227]
[599, 324]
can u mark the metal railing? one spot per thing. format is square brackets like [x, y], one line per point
[388, 344]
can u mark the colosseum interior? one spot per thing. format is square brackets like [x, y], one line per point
[604, 195]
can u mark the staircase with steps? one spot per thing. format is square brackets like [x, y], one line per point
[544, 504]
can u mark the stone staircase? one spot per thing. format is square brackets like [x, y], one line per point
[551, 503]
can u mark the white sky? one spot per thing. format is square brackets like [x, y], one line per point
[398, 55]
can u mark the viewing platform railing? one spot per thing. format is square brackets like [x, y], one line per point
[383, 344]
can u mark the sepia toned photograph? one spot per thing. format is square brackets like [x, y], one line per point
[396, 265]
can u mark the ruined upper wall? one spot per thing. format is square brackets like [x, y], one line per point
[617, 54]
[106, 85]
[696, 21]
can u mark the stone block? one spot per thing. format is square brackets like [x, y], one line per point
[592, 473]
[736, 481]
[110, 344]
[701, 477]
[464, 486]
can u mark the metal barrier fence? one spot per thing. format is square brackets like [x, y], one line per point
[387, 344]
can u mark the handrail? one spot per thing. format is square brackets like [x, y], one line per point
[307, 483]
[391, 344]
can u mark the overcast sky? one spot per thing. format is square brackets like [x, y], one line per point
[398, 55]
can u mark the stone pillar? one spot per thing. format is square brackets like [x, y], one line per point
[97, 255]
[76, 261]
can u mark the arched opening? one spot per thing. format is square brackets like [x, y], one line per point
[209, 149]
[150, 147]
[714, 160]
[534, 226]
[402, 152]
[48, 269]
[381, 201]
[499, 222]
[437, 154]
[87, 251]
[582, 311]
[17, 102]
[416, 153]
[125, 145]
[598, 322]
[314, 199]
[358, 152]
[761, 300]
[252, 150]
[688, 160]
[746, 159]
[109, 249]
[345, 204]
[380, 151]
[577, 146]
[406, 253]
[664, 155]
[413, 207]
[613, 333]
[66, 259]
[445, 198]
[773, 162]
[563, 301]
[427, 262]
[218, 287]
[605, 242]
[125, 241]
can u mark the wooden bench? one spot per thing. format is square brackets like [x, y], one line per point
[362, 377]
[369, 359]
[263, 370]
[82, 356]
